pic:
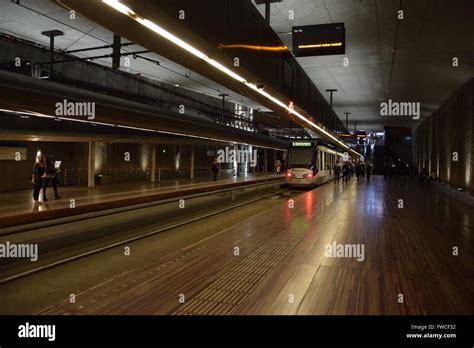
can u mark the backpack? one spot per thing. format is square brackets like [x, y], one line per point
[50, 169]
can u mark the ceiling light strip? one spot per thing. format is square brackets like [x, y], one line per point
[117, 5]
[35, 114]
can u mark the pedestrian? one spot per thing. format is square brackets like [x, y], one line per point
[215, 168]
[358, 170]
[37, 177]
[368, 171]
[337, 172]
[278, 167]
[345, 172]
[51, 174]
[423, 174]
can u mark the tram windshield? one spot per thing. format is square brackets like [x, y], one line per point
[300, 158]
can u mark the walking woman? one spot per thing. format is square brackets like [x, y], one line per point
[51, 175]
[37, 177]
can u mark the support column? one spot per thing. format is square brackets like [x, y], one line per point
[267, 11]
[153, 163]
[274, 160]
[255, 167]
[265, 161]
[235, 165]
[91, 165]
[52, 34]
[191, 165]
[116, 46]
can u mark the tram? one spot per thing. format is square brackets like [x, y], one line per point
[310, 162]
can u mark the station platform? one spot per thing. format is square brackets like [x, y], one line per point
[407, 264]
[16, 207]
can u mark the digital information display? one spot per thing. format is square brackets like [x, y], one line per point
[317, 40]
[301, 144]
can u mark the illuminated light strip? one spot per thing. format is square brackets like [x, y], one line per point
[117, 5]
[297, 114]
[167, 35]
[35, 114]
[256, 47]
[26, 113]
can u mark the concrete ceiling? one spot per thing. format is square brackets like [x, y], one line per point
[430, 35]
[31, 17]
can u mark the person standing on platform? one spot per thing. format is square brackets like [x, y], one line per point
[37, 177]
[345, 172]
[51, 175]
[385, 170]
[368, 171]
[358, 170]
[337, 172]
[215, 168]
[278, 167]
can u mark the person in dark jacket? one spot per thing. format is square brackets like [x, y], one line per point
[337, 172]
[37, 177]
[368, 171]
[51, 175]
[358, 170]
[345, 172]
[215, 168]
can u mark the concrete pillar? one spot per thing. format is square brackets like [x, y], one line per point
[91, 165]
[236, 163]
[191, 164]
[257, 160]
[153, 163]
[274, 160]
[265, 161]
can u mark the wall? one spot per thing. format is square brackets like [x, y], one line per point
[448, 131]
[398, 141]
[17, 174]
[111, 163]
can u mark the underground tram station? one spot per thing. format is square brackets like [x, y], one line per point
[223, 165]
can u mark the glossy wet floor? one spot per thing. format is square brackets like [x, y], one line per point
[275, 261]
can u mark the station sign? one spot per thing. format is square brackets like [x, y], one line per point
[317, 40]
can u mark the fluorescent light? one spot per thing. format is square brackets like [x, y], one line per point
[35, 114]
[119, 7]
[167, 35]
[225, 70]
[177, 41]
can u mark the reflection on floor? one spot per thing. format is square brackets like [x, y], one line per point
[21, 202]
[281, 265]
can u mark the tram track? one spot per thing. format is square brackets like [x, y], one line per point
[61, 257]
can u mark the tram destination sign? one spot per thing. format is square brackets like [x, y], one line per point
[301, 144]
[320, 39]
